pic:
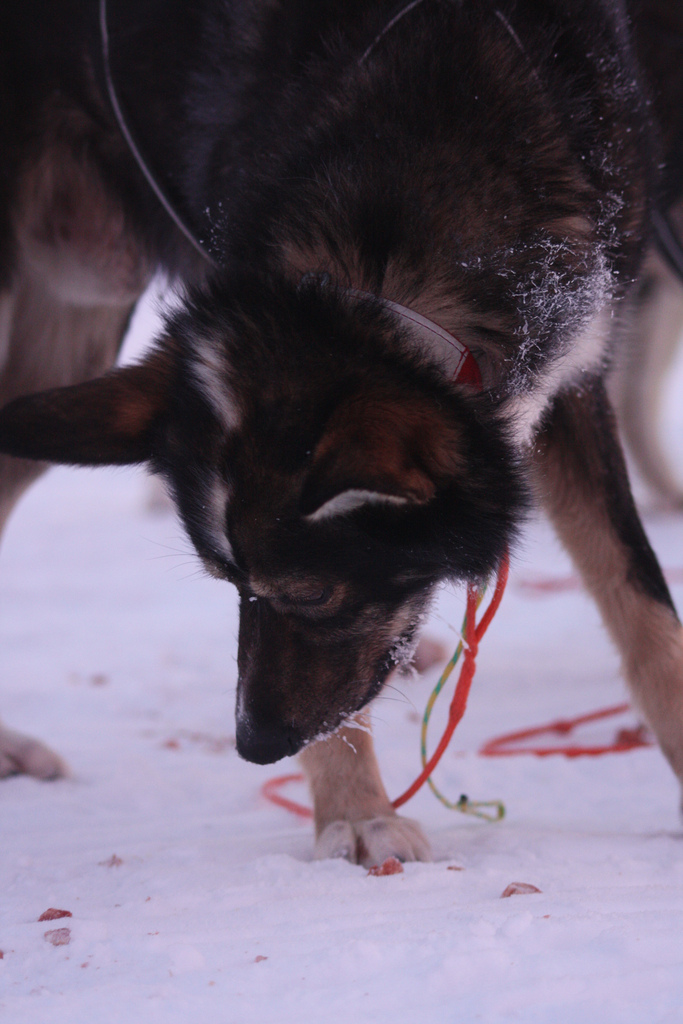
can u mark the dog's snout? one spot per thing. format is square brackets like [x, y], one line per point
[267, 743]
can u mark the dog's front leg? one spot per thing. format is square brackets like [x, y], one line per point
[583, 482]
[353, 815]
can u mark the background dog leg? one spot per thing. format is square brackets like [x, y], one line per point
[637, 385]
[19, 754]
[583, 482]
[353, 815]
[45, 342]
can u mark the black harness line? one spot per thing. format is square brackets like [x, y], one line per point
[128, 135]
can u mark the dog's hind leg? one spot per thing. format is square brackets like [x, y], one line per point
[353, 815]
[45, 342]
[637, 385]
[583, 482]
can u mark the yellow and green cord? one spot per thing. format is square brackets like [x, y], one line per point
[488, 810]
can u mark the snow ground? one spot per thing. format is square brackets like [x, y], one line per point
[121, 656]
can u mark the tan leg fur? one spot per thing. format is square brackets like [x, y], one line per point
[582, 481]
[353, 815]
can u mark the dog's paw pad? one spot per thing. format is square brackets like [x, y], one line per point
[21, 755]
[373, 841]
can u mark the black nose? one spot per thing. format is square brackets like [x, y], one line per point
[267, 743]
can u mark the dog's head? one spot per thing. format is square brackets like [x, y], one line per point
[321, 462]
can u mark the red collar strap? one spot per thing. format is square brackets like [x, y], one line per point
[461, 363]
[452, 354]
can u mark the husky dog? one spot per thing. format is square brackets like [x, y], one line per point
[411, 237]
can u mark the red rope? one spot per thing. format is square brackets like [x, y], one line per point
[270, 789]
[626, 739]
[541, 585]
[474, 633]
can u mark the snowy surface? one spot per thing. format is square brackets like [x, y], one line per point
[122, 656]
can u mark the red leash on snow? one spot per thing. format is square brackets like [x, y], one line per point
[270, 790]
[625, 739]
[540, 586]
[474, 632]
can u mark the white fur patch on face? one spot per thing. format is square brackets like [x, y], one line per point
[215, 508]
[349, 500]
[211, 375]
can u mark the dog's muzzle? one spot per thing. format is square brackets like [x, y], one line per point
[264, 744]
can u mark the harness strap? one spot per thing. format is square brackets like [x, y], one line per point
[122, 122]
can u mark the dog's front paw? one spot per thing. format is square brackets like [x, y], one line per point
[21, 755]
[373, 840]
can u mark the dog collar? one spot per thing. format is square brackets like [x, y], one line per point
[451, 353]
[461, 363]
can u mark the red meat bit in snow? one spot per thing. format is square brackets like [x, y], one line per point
[52, 914]
[391, 866]
[519, 889]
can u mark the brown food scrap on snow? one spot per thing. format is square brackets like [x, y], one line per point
[52, 914]
[455, 867]
[519, 889]
[391, 866]
[259, 958]
[113, 862]
[210, 743]
[58, 936]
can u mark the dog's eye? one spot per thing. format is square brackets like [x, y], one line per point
[314, 597]
[308, 598]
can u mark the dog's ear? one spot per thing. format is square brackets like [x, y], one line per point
[382, 447]
[108, 421]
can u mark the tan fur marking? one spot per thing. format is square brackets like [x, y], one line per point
[353, 816]
[344, 777]
[574, 226]
[377, 442]
[144, 392]
[646, 633]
